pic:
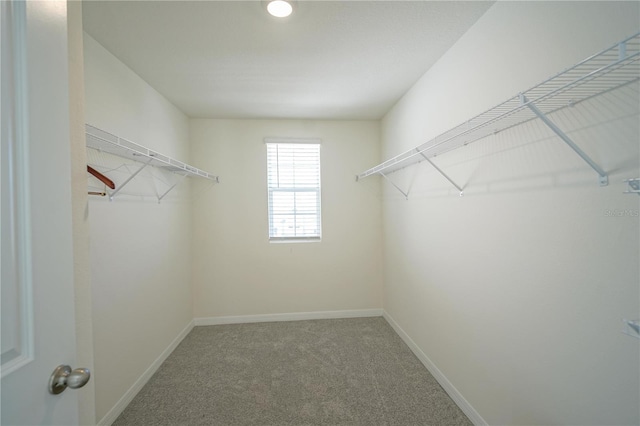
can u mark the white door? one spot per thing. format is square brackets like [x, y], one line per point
[38, 326]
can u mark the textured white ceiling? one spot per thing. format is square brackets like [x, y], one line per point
[329, 60]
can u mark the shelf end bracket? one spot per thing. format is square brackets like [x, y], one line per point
[603, 178]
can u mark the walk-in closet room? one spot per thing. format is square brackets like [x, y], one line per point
[316, 212]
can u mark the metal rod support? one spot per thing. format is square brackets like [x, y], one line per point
[632, 328]
[622, 50]
[604, 180]
[442, 173]
[129, 179]
[166, 192]
[169, 190]
[406, 195]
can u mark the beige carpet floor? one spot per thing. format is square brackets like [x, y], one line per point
[319, 372]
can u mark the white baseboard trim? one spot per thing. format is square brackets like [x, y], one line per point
[297, 316]
[455, 395]
[123, 402]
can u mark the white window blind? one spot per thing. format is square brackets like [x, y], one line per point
[293, 180]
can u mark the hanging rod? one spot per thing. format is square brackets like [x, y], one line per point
[608, 70]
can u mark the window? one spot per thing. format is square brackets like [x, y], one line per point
[293, 180]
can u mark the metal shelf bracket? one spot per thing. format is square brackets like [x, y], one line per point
[604, 179]
[632, 328]
[170, 188]
[123, 184]
[633, 186]
[622, 50]
[441, 172]
[406, 194]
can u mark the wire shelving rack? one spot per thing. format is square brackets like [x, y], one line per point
[104, 141]
[608, 70]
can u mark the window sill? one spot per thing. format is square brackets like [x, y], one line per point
[294, 240]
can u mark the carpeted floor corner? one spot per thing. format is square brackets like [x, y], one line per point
[319, 372]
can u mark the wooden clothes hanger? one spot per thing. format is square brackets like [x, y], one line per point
[102, 178]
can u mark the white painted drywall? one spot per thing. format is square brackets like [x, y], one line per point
[516, 291]
[236, 271]
[140, 250]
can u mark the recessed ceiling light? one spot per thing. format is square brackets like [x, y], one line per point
[279, 8]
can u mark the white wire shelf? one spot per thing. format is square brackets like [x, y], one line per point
[107, 142]
[608, 70]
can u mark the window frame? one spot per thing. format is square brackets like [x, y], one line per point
[271, 190]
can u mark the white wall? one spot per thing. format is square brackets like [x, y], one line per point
[236, 271]
[516, 291]
[140, 250]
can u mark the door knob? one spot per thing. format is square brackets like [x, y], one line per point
[64, 377]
